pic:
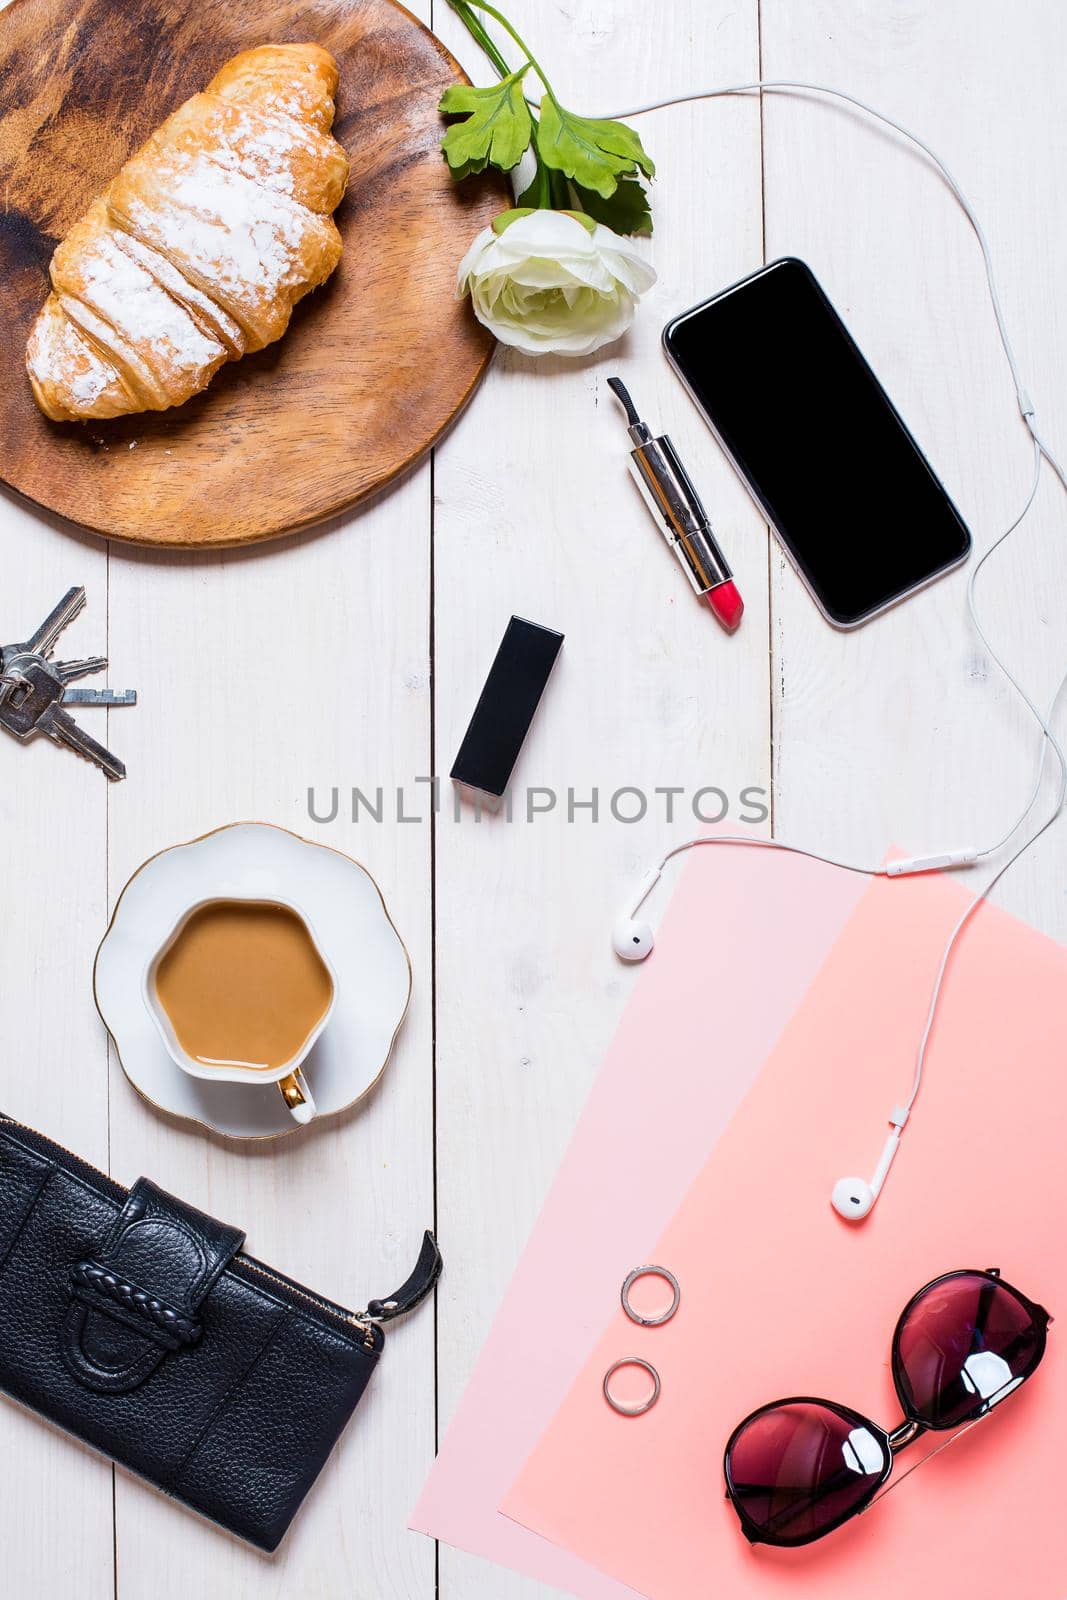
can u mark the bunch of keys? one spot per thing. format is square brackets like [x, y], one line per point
[34, 689]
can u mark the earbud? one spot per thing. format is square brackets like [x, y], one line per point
[632, 940]
[853, 1198]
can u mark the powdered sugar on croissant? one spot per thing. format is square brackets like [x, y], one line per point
[201, 246]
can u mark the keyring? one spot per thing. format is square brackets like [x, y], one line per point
[651, 1272]
[643, 1405]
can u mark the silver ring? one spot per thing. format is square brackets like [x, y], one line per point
[651, 1272]
[644, 1405]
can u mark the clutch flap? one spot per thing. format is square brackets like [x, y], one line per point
[136, 1298]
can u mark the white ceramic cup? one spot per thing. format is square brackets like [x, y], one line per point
[289, 1078]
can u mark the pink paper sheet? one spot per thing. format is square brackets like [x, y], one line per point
[780, 1297]
[739, 946]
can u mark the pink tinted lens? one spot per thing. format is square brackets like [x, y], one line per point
[799, 1468]
[962, 1345]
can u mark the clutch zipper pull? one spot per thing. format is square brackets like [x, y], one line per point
[411, 1293]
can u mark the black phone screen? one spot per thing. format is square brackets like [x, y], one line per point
[818, 441]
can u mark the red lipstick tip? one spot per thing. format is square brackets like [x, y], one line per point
[727, 604]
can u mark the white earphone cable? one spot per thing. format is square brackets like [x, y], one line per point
[769, 844]
[1042, 454]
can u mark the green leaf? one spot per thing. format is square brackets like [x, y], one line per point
[595, 154]
[496, 128]
[625, 211]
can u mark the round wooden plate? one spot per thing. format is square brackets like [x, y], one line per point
[374, 365]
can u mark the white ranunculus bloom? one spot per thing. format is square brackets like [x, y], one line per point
[548, 283]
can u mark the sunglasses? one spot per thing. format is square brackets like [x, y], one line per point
[799, 1468]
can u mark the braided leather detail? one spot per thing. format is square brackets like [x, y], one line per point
[90, 1275]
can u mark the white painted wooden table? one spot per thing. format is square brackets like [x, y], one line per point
[899, 732]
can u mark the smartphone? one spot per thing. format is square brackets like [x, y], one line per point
[826, 455]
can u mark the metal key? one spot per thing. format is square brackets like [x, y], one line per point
[34, 689]
[69, 670]
[41, 641]
[53, 625]
[34, 705]
[63, 729]
[100, 697]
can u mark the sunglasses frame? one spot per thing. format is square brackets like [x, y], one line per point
[910, 1429]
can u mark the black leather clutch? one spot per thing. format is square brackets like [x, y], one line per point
[138, 1324]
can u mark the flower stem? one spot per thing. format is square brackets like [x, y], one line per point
[475, 29]
[464, 10]
[462, 6]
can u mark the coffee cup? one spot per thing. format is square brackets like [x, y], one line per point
[240, 990]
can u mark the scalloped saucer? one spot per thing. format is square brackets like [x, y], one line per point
[244, 861]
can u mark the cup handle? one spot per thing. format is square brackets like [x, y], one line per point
[297, 1095]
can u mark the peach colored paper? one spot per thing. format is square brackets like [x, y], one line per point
[780, 1297]
[738, 946]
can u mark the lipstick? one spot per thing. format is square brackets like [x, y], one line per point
[669, 494]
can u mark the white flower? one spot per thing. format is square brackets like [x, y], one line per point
[550, 283]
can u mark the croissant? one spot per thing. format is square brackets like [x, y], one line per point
[201, 246]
